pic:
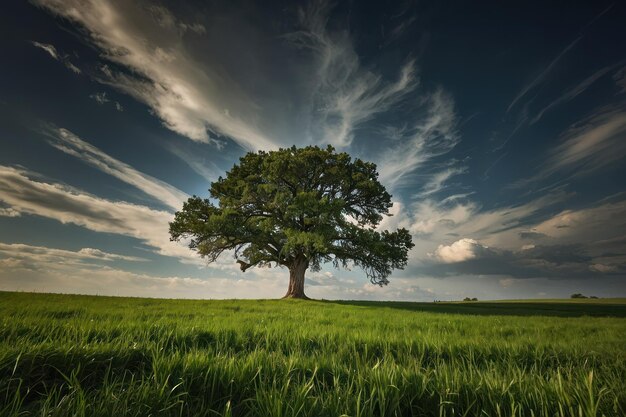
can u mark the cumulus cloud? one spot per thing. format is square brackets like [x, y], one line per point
[573, 243]
[68, 142]
[8, 212]
[459, 251]
[527, 240]
[499, 226]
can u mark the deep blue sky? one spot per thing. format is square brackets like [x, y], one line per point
[499, 128]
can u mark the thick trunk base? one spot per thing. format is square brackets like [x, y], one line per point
[296, 296]
[296, 280]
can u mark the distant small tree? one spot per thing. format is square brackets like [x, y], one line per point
[474, 299]
[577, 295]
[298, 208]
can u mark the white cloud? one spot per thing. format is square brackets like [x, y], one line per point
[323, 96]
[67, 205]
[41, 269]
[44, 276]
[100, 98]
[432, 135]
[8, 212]
[52, 51]
[345, 94]
[433, 223]
[197, 161]
[148, 40]
[507, 282]
[596, 224]
[71, 66]
[573, 92]
[543, 75]
[587, 147]
[44, 254]
[68, 142]
[397, 218]
[528, 240]
[166, 20]
[591, 144]
[603, 268]
[438, 180]
[459, 251]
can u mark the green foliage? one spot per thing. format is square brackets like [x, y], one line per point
[295, 204]
[102, 356]
[578, 295]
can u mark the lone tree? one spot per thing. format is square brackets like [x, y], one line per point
[299, 208]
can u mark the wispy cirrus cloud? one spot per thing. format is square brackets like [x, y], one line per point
[66, 141]
[345, 94]
[574, 91]
[433, 134]
[52, 51]
[189, 98]
[437, 181]
[593, 144]
[538, 80]
[323, 96]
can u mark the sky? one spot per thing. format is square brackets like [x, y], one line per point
[499, 128]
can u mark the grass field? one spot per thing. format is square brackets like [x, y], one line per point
[64, 355]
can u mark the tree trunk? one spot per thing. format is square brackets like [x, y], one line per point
[296, 279]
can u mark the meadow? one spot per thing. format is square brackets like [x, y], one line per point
[68, 355]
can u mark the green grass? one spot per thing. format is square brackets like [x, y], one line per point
[64, 355]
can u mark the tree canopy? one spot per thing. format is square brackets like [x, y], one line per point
[298, 208]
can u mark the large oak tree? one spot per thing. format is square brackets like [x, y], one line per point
[298, 208]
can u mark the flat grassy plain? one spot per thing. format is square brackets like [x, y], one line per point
[68, 355]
